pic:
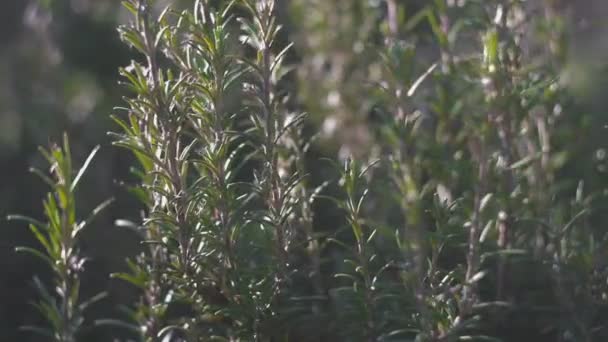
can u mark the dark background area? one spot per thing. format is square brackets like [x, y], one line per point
[59, 65]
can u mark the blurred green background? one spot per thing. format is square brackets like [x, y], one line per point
[58, 72]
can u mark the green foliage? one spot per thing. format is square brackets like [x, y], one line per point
[62, 306]
[468, 215]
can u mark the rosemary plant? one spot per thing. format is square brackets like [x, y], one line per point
[60, 302]
[470, 217]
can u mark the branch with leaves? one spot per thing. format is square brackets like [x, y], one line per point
[60, 304]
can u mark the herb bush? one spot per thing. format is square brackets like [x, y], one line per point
[453, 210]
